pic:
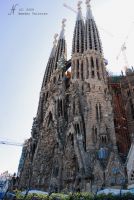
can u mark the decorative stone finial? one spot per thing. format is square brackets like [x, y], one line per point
[88, 3]
[55, 39]
[63, 23]
[79, 5]
[63, 30]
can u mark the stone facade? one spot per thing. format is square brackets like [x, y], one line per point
[73, 144]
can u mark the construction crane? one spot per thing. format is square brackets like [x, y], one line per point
[11, 143]
[123, 49]
[73, 10]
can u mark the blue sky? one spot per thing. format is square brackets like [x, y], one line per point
[25, 45]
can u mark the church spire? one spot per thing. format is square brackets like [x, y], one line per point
[78, 38]
[92, 39]
[50, 63]
[61, 46]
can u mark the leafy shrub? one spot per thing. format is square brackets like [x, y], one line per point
[20, 196]
[81, 196]
[74, 196]
[59, 196]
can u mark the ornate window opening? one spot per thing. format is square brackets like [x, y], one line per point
[95, 40]
[98, 112]
[99, 42]
[92, 68]
[82, 75]
[90, 34]
[132, 176]
[78, 36]
[87, 65]
[82, 88]
[78, 74]
[97, 68]
[77, 128]
[104, 139]
[94, 134]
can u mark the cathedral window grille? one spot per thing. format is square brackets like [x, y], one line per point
[78, 39]
[94, 34]
[86, 38]
[82, 77]
[90, 34]
[92, 67]
[97, 68]
[74, 41]
[100, 47]
[78, 69]
[87, 65]
[104, 139]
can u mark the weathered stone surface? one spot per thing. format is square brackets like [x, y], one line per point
[74, 145]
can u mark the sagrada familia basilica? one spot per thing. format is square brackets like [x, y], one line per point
[84, 125]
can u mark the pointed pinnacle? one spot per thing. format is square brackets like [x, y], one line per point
[88, 3]
[55, 39]
[79, 5]
[63, 23]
